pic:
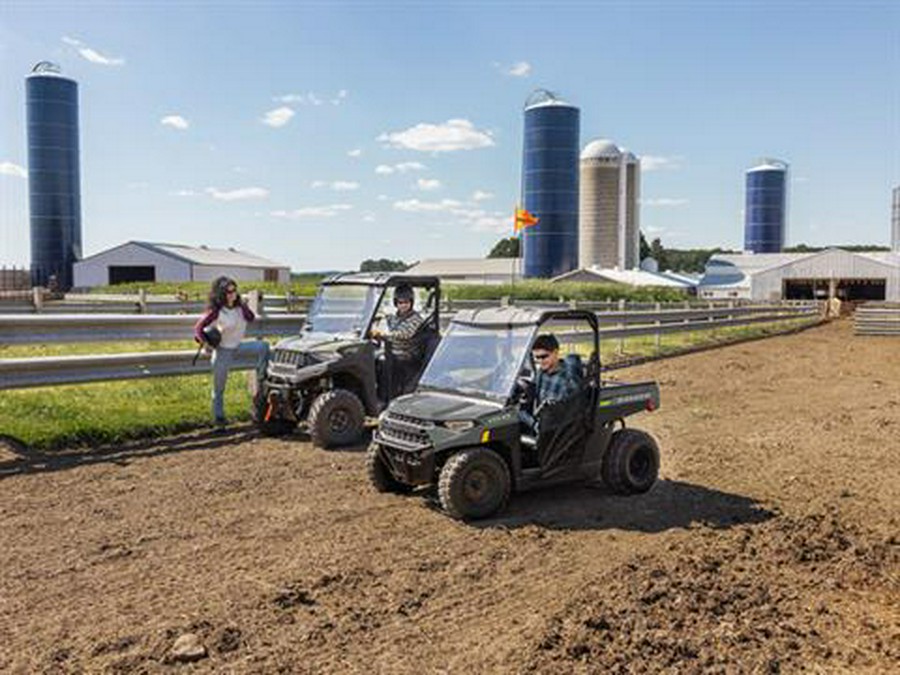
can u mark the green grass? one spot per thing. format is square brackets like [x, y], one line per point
[522, 290]
[50, 418]
[545, 290]
[303, 285]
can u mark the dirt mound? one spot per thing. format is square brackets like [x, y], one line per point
[763, 598]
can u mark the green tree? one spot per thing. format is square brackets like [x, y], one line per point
[505, 248]
[645, 247]
[383, 265]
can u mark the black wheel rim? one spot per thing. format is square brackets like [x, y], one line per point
[477, 486]
[339, 421]
[640, 464]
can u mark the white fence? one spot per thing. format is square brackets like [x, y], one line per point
[877, 318]
[40, 329]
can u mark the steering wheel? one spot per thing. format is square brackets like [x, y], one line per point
[524, 391]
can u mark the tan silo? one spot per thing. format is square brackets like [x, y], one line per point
[609, 207]
[600, 204]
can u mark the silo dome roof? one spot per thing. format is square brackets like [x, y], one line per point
[601, 148]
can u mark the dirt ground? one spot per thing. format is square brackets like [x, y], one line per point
[771, 544]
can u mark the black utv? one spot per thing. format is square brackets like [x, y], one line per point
[335, 374]
[462, 431]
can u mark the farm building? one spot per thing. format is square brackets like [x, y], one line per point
[803, 276]
[152, 262]
[470, 270]
[634, 277]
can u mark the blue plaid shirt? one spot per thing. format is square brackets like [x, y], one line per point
[556, 385]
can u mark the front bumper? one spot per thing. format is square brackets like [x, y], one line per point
[406, 449]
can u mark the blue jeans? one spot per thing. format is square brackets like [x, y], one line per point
[222, 359]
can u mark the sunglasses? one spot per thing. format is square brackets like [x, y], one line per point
[542, 356]
[231, 290]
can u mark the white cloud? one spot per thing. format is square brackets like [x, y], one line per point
[369, 218]
[382, 198]
[481, 195]
[356, 152]
[426, 184]
[278, 117]
[312, 98]
[312, 212]
[518, 69]
[337, 185]
[175, 121]
[402, 167]
[664, 201]
[452, 135]
[10, 169]
[418, 206]
[496, 222]
[184, 193]
[657, 163]
[238, 194]
[92, 55]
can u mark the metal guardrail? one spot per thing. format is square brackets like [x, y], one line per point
[56, 370]
[877, 319]
[43, 371]
[42, 328]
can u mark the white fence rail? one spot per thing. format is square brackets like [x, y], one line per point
[877, 319]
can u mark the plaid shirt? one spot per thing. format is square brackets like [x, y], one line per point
[556, 385]
[405, 336]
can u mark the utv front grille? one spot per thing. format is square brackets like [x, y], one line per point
[289, 357]
[404, 431]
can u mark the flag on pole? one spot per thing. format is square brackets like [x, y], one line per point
[524, 219]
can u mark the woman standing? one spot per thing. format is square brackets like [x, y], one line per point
[230, 316]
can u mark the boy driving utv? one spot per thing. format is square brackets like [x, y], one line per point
[406, 339]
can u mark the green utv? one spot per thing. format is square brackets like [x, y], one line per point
[335, 374]
[461, 430]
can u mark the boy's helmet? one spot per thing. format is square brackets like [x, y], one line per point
[404, 292]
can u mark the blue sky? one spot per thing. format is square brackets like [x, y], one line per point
[321, 134]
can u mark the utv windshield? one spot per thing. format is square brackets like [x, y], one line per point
[342, 308]
[478, 360]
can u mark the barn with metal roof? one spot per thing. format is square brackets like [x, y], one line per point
[834, 272]
[156, 262]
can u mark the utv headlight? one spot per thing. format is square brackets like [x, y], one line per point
[459, 425]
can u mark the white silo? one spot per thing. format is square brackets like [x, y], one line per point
[609, 222]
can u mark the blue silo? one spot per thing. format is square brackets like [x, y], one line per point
[53, 177]
[550, 185]
[765, 213]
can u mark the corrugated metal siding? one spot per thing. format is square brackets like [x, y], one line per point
[94, 271]
[827, 265]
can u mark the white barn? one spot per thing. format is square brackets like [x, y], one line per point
[154, 262]
[803, 276]
[470, 270]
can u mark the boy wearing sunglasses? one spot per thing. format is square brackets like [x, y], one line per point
[554, 380]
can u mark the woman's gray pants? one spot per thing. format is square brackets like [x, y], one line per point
[222, 359]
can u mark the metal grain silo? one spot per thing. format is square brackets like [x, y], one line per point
[765, 214]
[53, 176]
[550, 185]
[609, 216]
